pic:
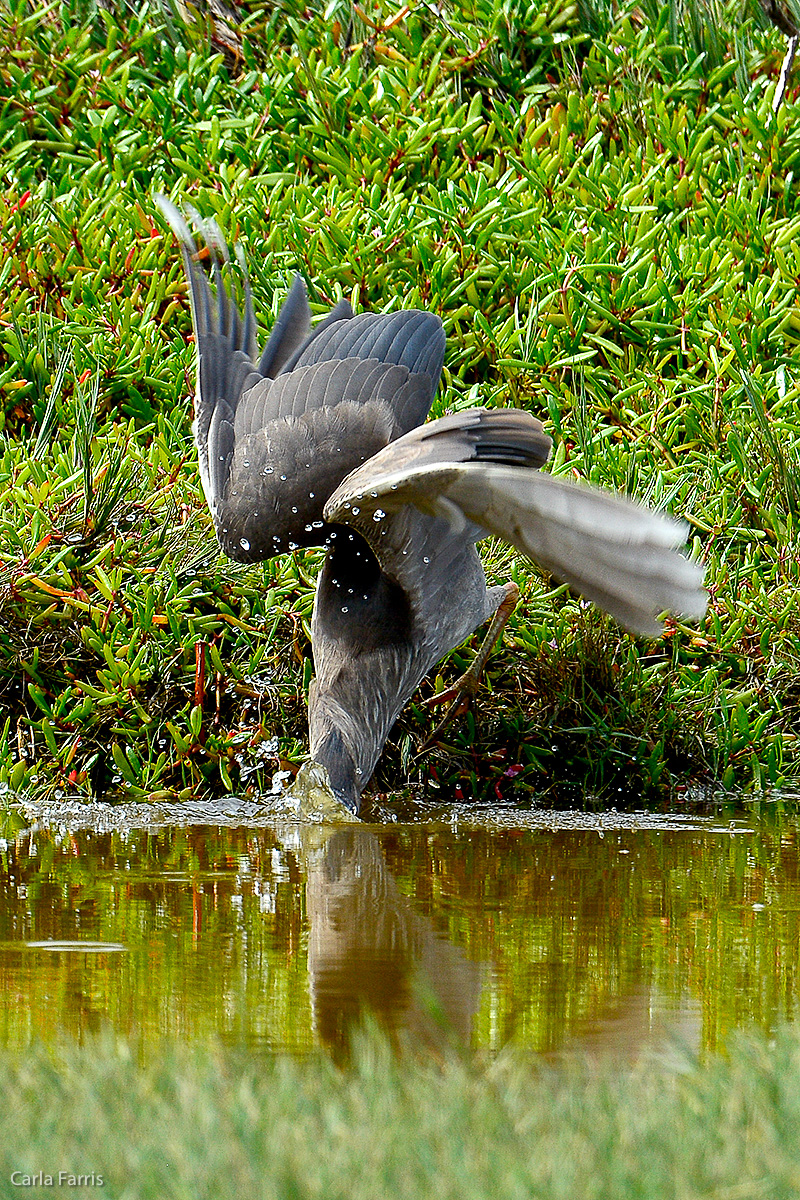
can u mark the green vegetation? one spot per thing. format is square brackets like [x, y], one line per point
[204, 1123]
[602, 206]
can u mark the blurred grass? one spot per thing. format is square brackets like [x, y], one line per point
[203, 1122]
[601, 205]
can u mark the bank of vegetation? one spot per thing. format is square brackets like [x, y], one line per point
[601, 203]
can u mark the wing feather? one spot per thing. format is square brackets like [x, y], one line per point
[615, 552]
[247, 407]
[291, 330]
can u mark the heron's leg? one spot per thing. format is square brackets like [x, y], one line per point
[464, 690]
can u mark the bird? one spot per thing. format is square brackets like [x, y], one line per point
[322, 439]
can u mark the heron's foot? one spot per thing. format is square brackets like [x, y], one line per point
[459, 697]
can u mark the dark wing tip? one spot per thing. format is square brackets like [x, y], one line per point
[291, 329]
[500, 435]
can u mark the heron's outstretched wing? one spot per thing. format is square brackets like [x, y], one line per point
[275, 437]
[472, 468]
[396, 358]
[408, 338]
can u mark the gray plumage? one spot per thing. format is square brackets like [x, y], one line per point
[320, 441]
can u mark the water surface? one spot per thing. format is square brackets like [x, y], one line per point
[553, 932]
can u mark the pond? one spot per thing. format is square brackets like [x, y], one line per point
[555, 932]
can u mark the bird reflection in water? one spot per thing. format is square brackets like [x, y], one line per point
[371, 956]
[372, 959]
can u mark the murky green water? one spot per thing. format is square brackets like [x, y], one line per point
[597, 935]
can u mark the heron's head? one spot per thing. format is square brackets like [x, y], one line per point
[332, 754]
